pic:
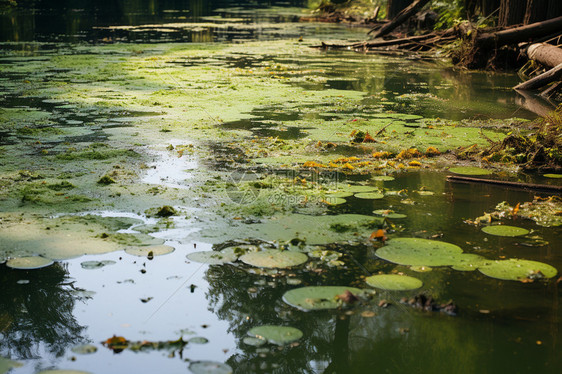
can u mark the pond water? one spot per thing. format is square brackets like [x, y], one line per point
[111, 150]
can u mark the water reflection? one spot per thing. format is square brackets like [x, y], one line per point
[36, 313]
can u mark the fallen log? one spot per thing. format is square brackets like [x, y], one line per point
[399, 19]
[518, 185]
[545, 54]
[541, 80]
[520, 34]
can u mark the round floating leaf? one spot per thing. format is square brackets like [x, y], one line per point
[505, 230]
[209, 367]
[96, 264]
[340, 194]
[469, 262]
[394, 282]
[416, 251]
[470, 170]
[274, 259]
[279, 335]
[198, 340]
[553, 176]
[335, 200]
[84, 349]
[356, 189]
[316, 298]
[255, 342]
[28, 263]
[369, 195]
[389, 214]
[425, 193]
[516, 269]
[144, 251]
[212, 257]
[384, 178]
[239, 250]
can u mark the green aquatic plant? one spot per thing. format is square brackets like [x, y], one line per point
[274, 258]
[212, 257]
[505, 230]
[279, 335]
[416, 251]
[319, 297]
[394, 282]
[517, 269]
[29, 263]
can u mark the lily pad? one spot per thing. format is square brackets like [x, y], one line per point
[254, 342]
[317, 297]
[198, 340]
[85, 349]
[389, 214]
[369, 195]
[335, 200]
[470, 262]
[144, 251]
[470, 170]
[29, 263]
[239, 250]
[96, 264]
[279, 335]
[554, 176]
[417, 251]
[274, 259]
[394, 282]
[384, 178]
[355, 189]
[505, 230]
[340, 194]
[209, 367]
[516, 269]
[212, 257]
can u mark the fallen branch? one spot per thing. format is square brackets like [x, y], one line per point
[519, 185]
[545, 54]
[520, 34]
[400, 18]
[541, 80]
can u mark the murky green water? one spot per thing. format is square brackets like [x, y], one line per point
[76, 112]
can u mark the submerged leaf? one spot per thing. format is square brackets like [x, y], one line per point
[209, 367]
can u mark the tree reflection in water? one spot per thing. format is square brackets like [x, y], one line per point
[36, 318]
[246, 301]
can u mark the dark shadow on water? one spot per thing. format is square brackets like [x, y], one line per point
[36, 318]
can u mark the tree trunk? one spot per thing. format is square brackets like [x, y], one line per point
[396, 6]
[512, 12]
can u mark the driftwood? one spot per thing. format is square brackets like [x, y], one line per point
[518, 185]
[541, 80]
[429, 40]
[545, 54]
[399, 19]
[520, 34]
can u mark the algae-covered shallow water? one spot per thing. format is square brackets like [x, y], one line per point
[122, 161]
